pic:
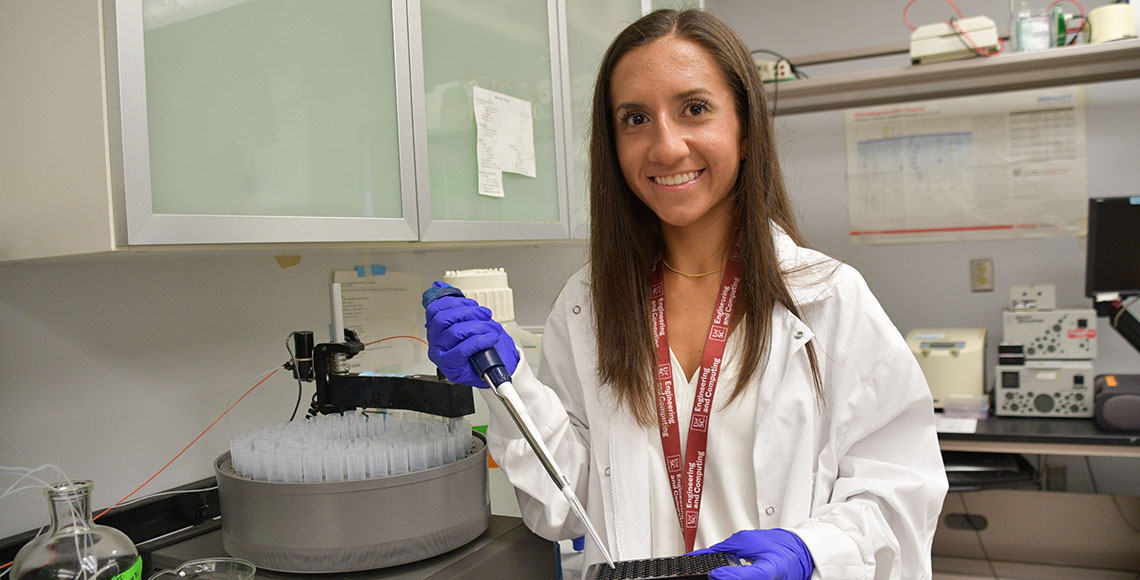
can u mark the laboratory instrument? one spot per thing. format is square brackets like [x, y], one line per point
[362, 491]
[349, 447]
[210, 569]
[1118, 402]
[1112, 261]
[1111, 22]
[952, 360]
[687, 567]
[333, 526]
[1061, 334]
[338, 389]
[1045, 357]
[1044, 388]
[946, 41]
[74, 546]
[488, 365]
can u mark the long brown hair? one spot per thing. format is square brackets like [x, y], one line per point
[625, 235]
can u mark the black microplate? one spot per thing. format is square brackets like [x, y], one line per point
[694, 567]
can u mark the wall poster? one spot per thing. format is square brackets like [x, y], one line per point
[997, 166]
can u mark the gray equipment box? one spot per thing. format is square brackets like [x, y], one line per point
[1044, 389]
[1068, 333]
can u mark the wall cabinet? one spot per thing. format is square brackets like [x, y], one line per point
[54, 179]
[142, 123]
[227, 122]
[261, 121]
[271, 121]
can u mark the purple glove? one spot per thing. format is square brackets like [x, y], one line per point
[458, 328]
[775, 554]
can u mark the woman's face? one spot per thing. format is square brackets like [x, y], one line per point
[678, 137]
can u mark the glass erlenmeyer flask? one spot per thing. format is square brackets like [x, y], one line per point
[74, 547]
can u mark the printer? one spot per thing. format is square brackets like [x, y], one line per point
[953, 360]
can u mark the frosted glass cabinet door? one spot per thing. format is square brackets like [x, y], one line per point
[510, 48]
[264, 120]
[676, 4]
[590, 27]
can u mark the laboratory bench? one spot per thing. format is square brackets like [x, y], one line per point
[1042, 436]
[172, 529]
[187, 526]
[1015, 520]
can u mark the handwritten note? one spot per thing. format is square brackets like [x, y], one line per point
[505, 139]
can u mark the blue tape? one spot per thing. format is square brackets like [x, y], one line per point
[359, 271]
[379, 269]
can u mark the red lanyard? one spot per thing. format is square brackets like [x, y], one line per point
[687, 480]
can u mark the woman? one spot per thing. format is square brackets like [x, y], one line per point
[707, 380]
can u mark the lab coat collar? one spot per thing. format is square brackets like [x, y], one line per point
[803, 268]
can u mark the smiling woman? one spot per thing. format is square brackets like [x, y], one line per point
[817, 454]
[678, 144]
[678, 140]
[678, 95]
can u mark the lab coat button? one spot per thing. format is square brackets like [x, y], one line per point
[770, 510]
[799, 334]
[577, 309]
[607, 472]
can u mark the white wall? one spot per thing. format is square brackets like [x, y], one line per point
[110, 369]
[927, 285]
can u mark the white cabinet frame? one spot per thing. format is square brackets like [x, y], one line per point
[130, 156]
[465, 230]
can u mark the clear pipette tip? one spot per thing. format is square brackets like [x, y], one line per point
[581, 513]
[505, 391]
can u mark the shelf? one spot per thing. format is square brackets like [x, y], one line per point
[1007, 72]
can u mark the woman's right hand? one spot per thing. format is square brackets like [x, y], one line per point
[459, 327]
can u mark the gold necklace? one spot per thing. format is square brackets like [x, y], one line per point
[687, 275]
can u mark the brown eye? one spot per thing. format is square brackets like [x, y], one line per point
[634, 119]
[697, 109]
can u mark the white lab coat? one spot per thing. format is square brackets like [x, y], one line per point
[859, 478]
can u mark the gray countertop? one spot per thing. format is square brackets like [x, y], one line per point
[506, 550]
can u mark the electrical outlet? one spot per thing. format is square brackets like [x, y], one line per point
[774, 70]
[982, 275]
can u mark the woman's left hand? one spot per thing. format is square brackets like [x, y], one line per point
[775, 554]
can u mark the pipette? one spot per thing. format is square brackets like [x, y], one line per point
[490, 366]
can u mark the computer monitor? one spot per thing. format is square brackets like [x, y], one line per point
[1112, 262]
